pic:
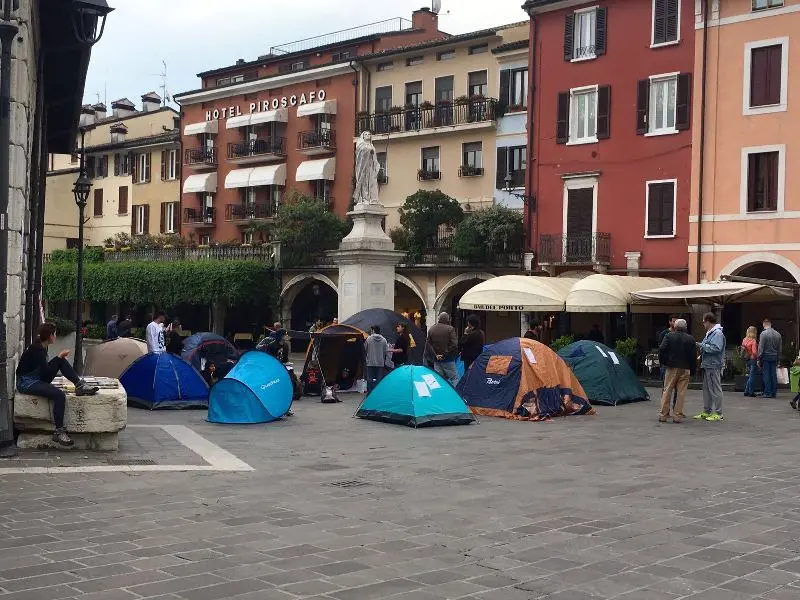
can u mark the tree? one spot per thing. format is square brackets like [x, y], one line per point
[305, 228]
[421, 216]
[487, 233]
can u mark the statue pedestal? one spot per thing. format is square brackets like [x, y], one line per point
[367, 261]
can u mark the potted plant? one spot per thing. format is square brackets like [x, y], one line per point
[462, 100]
[627, 347]
[426, 104]
[562, 342]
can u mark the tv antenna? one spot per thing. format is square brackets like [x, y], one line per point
[436, 7]
[165, 97]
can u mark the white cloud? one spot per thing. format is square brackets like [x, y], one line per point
[197, 35]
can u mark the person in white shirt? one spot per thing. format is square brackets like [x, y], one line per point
[156, 340]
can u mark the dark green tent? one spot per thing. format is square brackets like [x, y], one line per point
[606, 378]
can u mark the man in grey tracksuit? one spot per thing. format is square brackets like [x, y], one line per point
[712, 353]
[769, 351]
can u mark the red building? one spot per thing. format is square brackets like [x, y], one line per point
[283, 122]
[611, 148]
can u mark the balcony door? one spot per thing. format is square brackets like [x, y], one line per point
[444, 100]
[578, 240]
[383, 103]
[413, 100]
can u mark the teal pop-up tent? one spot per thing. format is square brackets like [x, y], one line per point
[415, 396]
[607, 378]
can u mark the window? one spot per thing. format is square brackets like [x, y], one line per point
[430, 163]
[511, 162]
[140, 218]
[98, 203]
[471, 159]
[204, 240]
[237, 78]
[477, 84]
[208, 208]
[250, 196]
[663, 104]
[766, 73]
[446, 55]
[414, 61]
[322, 190]
[126, 165]
[660, 208]
[479, 49]
[342, 55]
[585, 34]
[383, 98]
[383, 173]
[169, 217]
[122, 207]
[414, 93]
[101, 166]
[293, 67]
[443, 89]
[583, 116]
[666, 22]
[91, 164]
[247, 237]
[764, 4]
[169, 165]
[763, 172]
[514, 88]
[141, 172]
[386, 66]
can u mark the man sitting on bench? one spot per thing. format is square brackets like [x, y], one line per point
[35, 376]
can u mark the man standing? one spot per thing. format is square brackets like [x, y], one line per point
[678, 354]
[660, 338]
[156, 341]
[376, 348]
[443, 341]
[472, 342]
[712, 354]
[111, 328]
[769, 350]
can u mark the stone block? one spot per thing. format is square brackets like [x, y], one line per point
[17, 209]
[94, 422]
[18, 165]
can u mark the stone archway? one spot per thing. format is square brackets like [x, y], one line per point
[295, 287]
[748, 262]
[413, 288]
[449, 287]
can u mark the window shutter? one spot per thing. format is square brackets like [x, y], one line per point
[146, 219]
[98, 203]
[134, 167]
[147, 167]
[667, 209]
[771, 180]
[562, 119]
[601, 20]
[163, 216]
[659, 21]
[90, 167]
[773, 68]
[603, 112]
[642, 106]
[178, 164]
[672, 20]
[123, 200]
[117, 165]
[164, 155]
[502, 167]
[682, 101]
[133, 221]
[653, 204]
[569, 36]
[752, 181]
[505, 87]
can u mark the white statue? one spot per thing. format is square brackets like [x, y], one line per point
[367, 167]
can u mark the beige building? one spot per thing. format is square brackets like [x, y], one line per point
[436, 110]
[133, 160]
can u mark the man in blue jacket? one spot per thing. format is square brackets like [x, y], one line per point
[712, 361]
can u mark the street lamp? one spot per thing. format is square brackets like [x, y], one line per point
[87, 17]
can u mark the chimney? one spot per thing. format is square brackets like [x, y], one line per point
[122, 108]
[151, 101]
[87, 115]
[118, 133]
[240, 61]
[99, 111]
[425, 19]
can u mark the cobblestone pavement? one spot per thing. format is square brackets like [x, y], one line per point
[613, 506]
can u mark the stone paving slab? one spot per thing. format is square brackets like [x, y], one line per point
[615, 506]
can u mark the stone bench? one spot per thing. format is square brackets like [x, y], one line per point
[93, 422]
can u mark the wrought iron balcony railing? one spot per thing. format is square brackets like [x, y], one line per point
[258, 147]
[323, 140]
[470, 171]
[200, 156]
[199, 216]
[588, 249]
[428, 175]
[517, 179]
[250, 212]
[428, 117]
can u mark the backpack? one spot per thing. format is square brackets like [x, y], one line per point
[744, 353]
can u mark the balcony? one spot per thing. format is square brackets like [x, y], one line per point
[575, 250]
[200, 218]
[428, 175]
[244, 214]
[470, 171]
[438, 252]
[315, 142]
[513, 179]
[429, 119]
[259, 253]
[200, 158]
[260, 150]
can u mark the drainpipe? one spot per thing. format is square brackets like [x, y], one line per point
[36, 204]
[702, 168]
[8, 32]
[532, 163]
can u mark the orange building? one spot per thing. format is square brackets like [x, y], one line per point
[281, 123]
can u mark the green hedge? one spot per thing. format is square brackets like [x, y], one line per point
[91, 254]
[162, 283]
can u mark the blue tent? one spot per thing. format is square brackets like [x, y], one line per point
[164, 381]
[415, 396]
[212, 347]
[257, 390]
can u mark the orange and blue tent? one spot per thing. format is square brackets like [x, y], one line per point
[524, 380]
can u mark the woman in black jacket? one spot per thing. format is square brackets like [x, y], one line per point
[472, 341]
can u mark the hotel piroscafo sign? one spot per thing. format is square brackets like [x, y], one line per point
[237, 110]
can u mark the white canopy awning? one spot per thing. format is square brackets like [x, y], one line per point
[255, 177]
[202, 182]
[518, 293]
[312, 170]
[280, 115]
[325, 107]
[200, 128]
[609, 293]
[240, 121]
[714, 292]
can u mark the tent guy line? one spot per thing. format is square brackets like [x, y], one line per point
[218, 459]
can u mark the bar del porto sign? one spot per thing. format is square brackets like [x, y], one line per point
[237, 110]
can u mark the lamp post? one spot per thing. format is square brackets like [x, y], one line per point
[529, 202]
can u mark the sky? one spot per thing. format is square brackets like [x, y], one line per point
[197, 35]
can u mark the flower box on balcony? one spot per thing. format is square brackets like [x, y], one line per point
[470, 171]
[425, 175]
